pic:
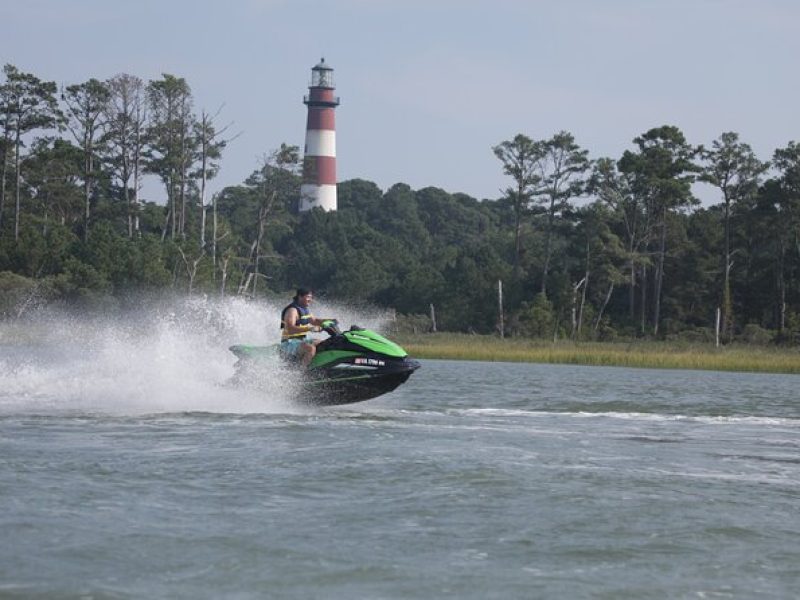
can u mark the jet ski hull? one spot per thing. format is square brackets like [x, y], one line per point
[346, 383]
[348, 367]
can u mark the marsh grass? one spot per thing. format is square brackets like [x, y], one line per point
[663, 355]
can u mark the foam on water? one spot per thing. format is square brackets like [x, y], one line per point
[640, 416]
[165, 357]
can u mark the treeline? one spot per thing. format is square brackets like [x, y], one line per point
[581, 248]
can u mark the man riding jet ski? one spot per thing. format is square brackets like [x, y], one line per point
[297, 323]
[350, 366]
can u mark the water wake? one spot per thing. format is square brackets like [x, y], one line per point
[640, 416]
[164, 357]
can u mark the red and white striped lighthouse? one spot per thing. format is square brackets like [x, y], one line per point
[319, 162]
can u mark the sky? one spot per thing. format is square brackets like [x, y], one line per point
[428, 87]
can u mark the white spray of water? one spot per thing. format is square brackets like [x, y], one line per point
[166, 357]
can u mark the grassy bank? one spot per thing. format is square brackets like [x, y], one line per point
[663, 355]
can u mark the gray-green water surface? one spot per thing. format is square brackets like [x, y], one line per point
[473, 480]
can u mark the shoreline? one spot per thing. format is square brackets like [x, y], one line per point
[635, 354]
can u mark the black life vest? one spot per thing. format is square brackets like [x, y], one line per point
[305, 319]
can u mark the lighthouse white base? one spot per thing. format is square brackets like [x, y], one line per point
[313, 196]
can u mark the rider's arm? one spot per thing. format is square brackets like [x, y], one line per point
[291, 326]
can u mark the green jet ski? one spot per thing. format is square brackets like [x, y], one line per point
[349, 366]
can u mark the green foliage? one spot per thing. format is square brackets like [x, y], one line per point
[755, 334]
[520, 158]
[82, 286]
[585, 250]
[411, 324]
[15, 290]
[536, 319]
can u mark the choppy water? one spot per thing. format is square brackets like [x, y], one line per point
[127, 472]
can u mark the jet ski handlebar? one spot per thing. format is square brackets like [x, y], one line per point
[331, 327]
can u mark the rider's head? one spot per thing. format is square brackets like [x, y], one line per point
[303, 296]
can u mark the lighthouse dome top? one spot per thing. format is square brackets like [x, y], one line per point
[321, 66]
[322, 75]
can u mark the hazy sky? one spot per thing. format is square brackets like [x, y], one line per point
[427, 87]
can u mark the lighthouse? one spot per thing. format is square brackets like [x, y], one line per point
[319, 162]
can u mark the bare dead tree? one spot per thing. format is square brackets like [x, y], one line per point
[224, 273]
[191, 265]
[604, 305]
[575, 289]
[255, 248]
[210, 142]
